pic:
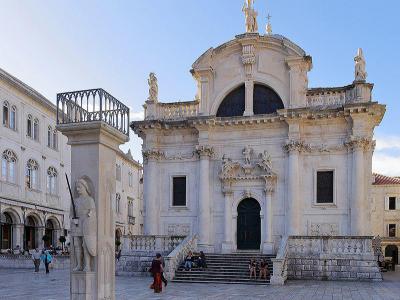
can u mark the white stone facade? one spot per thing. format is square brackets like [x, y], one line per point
[271, 154]
[129, 196]
[40, 199]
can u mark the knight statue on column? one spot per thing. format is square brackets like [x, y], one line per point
[84, 231]
[251, 16]
[153, 87]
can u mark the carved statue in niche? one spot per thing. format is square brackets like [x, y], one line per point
[247, 155]
[250, 16]
[360, 73]
[84, 230]
[153, 87]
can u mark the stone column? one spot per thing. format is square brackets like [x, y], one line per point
[358, 204]
[249, 90]
[268, 246]
[293, 207]
[204, 228]
[18, 235]
[227, 243]
[93, 157]
[150, 191]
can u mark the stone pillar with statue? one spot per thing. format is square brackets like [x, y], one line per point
[95, 129]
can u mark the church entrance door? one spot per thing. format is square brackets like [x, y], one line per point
[248, 225]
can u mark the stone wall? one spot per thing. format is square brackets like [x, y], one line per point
[10, 261]
[332, 258]
[136, 263]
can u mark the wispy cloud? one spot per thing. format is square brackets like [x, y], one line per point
[386, 159]
[136, 115]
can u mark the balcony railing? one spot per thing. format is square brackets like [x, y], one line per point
[92, 105]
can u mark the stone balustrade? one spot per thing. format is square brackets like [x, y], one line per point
[172, 111]
[328, 97]
[159, 243]
[326, 258]
[14, 261]
[176, 257]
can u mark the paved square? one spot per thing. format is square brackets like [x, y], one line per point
[24, 284]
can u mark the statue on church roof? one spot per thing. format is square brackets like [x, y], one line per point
[153, 87]
[251, 16]
[359, 73]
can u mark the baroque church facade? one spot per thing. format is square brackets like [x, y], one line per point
[258, 155]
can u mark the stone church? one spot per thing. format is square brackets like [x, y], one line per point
[258, 154]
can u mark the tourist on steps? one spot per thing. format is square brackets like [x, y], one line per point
[264, 272]
[189, 261]
[201, 262]
[36, 259]
[156, 269]
[253, 268]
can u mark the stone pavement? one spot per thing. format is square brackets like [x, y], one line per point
[24, 284]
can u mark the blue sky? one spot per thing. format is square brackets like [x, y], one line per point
[57, 46]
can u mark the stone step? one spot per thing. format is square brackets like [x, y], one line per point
[223, 281]
[207, 271]
[212, 275]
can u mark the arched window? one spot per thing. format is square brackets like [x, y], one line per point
[265, 101]
[36, 129]
[13, 118]
[130, 209]
[52, 180]
[6, 111]
[29, 126]
[117, 203]
[49, 136]
[32, 174]
[6, 231]
[55, 140]
[8, 166]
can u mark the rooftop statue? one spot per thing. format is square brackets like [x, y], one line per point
[153, 87]
[359, 73]
[251, 16]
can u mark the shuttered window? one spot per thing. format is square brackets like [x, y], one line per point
[324, 187]
[179, 191]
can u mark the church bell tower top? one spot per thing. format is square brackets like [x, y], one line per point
[250, 15]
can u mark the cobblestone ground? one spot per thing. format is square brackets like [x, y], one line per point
[24, 284]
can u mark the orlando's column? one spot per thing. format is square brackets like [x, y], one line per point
[94, 134]
[204, 228]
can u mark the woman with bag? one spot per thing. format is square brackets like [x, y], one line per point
[156, 269]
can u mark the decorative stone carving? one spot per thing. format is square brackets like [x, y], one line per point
[180, 156]
[324, 229]
[84, 230]
[266, 162]
[250, 16]
[228, 167]
[360, 73]
[153, 88]
[204, 150]
[152, 154]
[357, 142]
[247, 151]
[178, 229]
[295, 145]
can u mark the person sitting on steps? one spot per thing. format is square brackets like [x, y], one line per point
[253, 268]
[189, 261]
[264, 272]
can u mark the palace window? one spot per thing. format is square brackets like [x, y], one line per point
[392, 203]
[55, 140]
[118, 172]
[392, 230]
[130, 207]
[9, 116]
[52, 180]
[117, 203]
[49, 135]
[29, 126]
[52, 138]
[6, 110]
[8, 166]
[32, 174]
[179, 191]
[324, 187]
[35, 135]
[130, 178]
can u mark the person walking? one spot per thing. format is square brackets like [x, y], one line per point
[46, 258]
[36, 259]
[156, 269]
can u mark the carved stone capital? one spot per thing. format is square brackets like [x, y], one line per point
[296, 146]
[360, 143]
[205, 150]
[152, 154]
[270, 183]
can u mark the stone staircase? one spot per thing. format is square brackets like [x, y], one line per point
[225, 268]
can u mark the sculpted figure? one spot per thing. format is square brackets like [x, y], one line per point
[250, 16]
[247, 155]
[266, 161]
[153, 87]
[85, 241]
[359, 73]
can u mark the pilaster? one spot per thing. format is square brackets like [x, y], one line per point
[227, 244]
